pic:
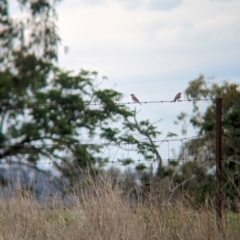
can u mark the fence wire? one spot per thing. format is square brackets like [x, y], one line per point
[178, 175]
[189, 177]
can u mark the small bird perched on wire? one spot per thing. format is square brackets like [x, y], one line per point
[177, 97]
[134, 98]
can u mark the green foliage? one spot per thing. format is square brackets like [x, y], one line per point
[173, 163]
[140, 167]
[54, 114]
[127, 161]
[147, 149]
[204, 121]
[171, 134]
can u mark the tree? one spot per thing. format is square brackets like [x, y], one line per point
[52, 114]
[43, 109]
[204, 122]
[28, 51]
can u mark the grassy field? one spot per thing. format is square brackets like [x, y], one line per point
[106, 214]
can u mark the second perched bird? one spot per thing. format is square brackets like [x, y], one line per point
[134, 98]
[177, 97]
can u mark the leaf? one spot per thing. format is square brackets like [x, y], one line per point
[171, 134]
[140, 167]
[126, 162]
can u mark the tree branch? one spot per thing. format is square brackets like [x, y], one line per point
[13, 148]
[150, 139]
[172, 191]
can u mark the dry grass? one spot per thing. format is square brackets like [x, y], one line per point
[103, 213]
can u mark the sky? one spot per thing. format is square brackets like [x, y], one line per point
[152, 48]
[148, 43]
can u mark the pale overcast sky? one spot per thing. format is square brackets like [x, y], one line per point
[152, 48]
[152, 42]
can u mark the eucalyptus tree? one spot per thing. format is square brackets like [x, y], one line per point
[47, 113]
[204, 121]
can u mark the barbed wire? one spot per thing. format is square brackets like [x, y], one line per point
[31, 105]
[154, 160]
[25, 145]
[122, 161]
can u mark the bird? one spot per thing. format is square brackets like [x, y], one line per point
[134, 98]
[177, 97]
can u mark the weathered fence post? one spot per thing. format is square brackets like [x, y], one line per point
[219, 192]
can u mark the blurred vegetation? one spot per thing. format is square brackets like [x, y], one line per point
[203, 148]
[47, 113]
[50, 113]
[104, 213]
